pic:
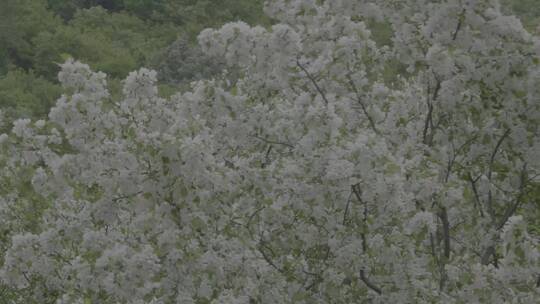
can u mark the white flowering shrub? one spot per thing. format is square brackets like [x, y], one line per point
[309, 180]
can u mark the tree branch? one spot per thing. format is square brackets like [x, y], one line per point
[443, 215]
[455, 153]
[428, 123]
[273, 142]
[514, 205]
[357, 192]
[490, 251]
[478, 203]
[347, 209]
[267, 156]
[458, 27]
[315, 84]
[490, 173]
[359, 100]
[267, 258]
[125, 196]
[369, 283]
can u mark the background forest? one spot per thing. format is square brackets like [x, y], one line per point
[118, 36]
[113, 36]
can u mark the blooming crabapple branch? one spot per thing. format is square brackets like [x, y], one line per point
[358, 194]
[443, 215]
[267, 157]
[490, 251]
[455, 153]
[463, 244]
[273, 142]
[313, 81]
[369, 283]
[477, 202]
[347, 208]
[362, 105]
[126, 196]
[428, 122]
[490, 173]
[460, 22]
[514, 205]
[268, 260]
[250, 219]
[441, 260]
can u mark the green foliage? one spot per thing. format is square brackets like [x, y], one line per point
[195, 15]
[527, 10]
[67, 9]
[182, 62]
[24, 94]
[143, 8]
[20, 22]
[113, 42]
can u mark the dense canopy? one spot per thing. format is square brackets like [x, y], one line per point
[353, 151]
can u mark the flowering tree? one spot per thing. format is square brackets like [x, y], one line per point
[313, 178]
